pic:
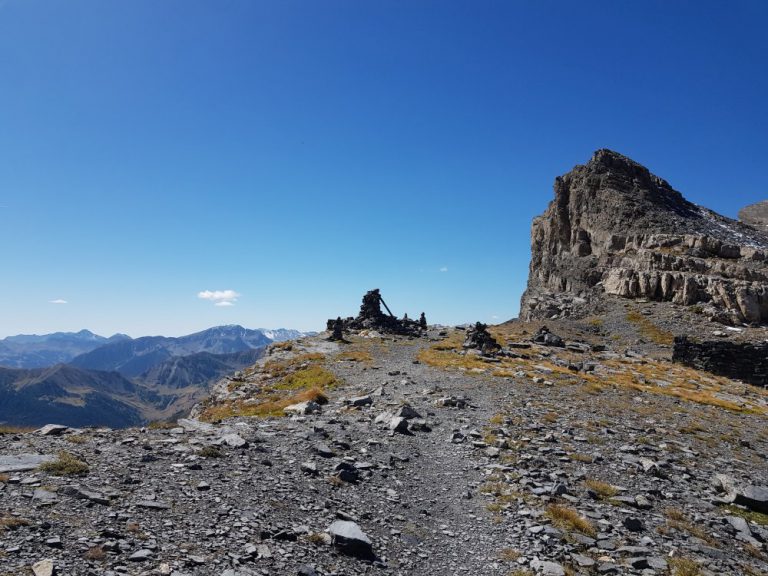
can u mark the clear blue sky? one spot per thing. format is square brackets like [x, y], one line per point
[299, 153]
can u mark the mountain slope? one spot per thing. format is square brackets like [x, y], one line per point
[68, 395]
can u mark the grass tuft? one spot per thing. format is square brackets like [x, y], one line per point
[684, 567]
[569, 519]
[66, 464]
[12, 523]
[603, 490]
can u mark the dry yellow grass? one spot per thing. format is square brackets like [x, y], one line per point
[509, 554]
[66, 464]
[6, 429]
[677, 519]
[649, 330]
[569, 519]
[684, 567]
[604, 490]
[273, 405]
[355, 356]
[12, 522]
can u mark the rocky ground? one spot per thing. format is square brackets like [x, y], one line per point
[595, 458]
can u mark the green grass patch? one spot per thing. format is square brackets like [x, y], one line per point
[748, 515]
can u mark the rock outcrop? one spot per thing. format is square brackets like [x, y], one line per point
[756, 215]
[746, 361]
[616, 229]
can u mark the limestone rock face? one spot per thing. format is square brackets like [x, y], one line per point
[615, 228]
[756, 215]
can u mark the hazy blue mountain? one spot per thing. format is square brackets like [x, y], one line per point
[120, 381]
[39, 351]
[134, 357]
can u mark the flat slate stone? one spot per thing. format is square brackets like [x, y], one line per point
[23, 462]
[52, 430]
[153, 504]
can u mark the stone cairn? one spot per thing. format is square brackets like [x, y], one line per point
[337, 330]
[478, 338]
[371, 317]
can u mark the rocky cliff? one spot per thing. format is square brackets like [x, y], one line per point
[614, 228]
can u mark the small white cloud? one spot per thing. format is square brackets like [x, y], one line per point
[219, 297]
[444, 269]
[58, 301]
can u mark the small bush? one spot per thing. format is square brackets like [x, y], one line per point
[66, 464]
[210, 452]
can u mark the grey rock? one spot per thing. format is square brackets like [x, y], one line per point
[753, 497]
[153, 505]
[43, 568]
[360, 401]
[350, 539]
[84, 494]
[23, 462]
[52, 430]
[141, 555]
[399, 424]
[547, 568]
[233, 440]
[303, 408]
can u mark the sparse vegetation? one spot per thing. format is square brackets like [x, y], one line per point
[649, 330]
[356, 356]
[76, 438]
[66, 464]
[95, 553]
[162, 424]
[262, 407]
[684, 567]
[6, 429]
[307, 378]
[677, 520]
[509, 554]
[210, 452]
[12, 522]
[604, 490]
[748, 515]
[569, 519]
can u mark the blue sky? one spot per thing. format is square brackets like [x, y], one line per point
[299, 153]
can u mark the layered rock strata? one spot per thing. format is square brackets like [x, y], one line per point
[745, 361]
[614, 228]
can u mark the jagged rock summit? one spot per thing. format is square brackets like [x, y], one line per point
[614, 228]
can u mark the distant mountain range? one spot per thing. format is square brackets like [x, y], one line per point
[82, 379]
[33, 351]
